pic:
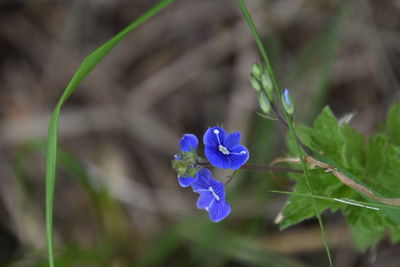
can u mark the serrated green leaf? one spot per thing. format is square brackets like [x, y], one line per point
[374, 164]
[327, 136]
[299, 208]
[364, 238]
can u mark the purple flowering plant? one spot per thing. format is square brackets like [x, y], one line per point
[222, 150]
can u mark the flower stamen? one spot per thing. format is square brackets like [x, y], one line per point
[223, 149]
[213, 193]
[216, 132]
[243, 152]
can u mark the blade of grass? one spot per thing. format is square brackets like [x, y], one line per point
[83, 71]
[349, 201]
[278, 92]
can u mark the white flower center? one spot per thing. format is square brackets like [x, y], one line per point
[214, 194]
[223, 149]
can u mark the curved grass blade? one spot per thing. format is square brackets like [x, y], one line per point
[278, 92]
[83, 71]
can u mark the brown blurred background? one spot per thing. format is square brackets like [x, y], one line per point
[183, 70]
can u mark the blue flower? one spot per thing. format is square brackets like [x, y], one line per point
[224, 151]
[189, 143]
[212, 196]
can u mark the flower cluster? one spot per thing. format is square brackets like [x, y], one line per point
[222, 150]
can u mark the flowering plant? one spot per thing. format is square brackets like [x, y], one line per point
[223, 151]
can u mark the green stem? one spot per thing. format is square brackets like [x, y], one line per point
[288, 118]
[301, 154]
[255, 167]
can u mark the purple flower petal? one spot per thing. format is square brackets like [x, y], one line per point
[214, 136]
[216, 157]
[203, 180]
[218, 188]
[232, 140]
[219, 210]
[186, 181]
[238, 156]
[205, 200]
[189, 142]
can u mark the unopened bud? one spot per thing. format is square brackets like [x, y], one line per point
[266, 81]
[264, 102]
[191, 172]
[268, 86]
[287, 102]
[257, 70]
[255, 83]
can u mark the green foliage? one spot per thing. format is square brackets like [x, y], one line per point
[375, 163]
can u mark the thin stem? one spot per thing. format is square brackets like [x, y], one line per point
[288, 118]
[284, 122]
[231, 177]
[301, 153]
[255, 167]
[278, 115]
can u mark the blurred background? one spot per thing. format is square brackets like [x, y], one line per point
[118, 202]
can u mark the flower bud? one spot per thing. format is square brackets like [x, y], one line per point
[266, 81]
[264, 102]
[287, 102]
[184, 163]
[257, 70]
[268, 86]
[191, 172]
[254, 82]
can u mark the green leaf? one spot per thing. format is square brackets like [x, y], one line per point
[374, 164]
[299, 208]
[327, 136]
[83, 71]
